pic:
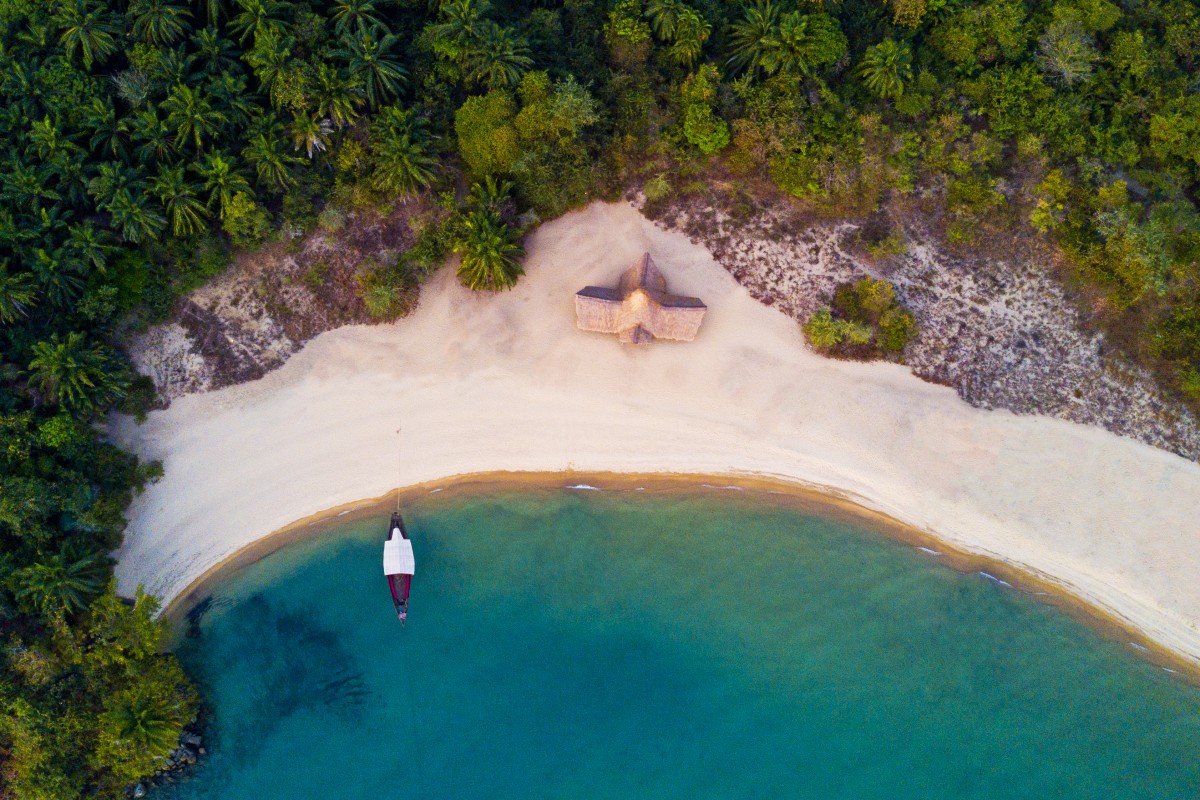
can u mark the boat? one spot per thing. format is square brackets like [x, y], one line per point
[398, 564]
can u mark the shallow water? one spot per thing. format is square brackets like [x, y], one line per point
[585, 645]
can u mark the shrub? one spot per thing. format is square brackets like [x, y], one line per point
[701, 126]
[657, 188]
[486, 136]
[246, 222]
[865, 321]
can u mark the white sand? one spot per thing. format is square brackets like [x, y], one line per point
[483, 383]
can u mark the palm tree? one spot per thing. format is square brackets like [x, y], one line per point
[108, 129]
[61, 582]
[357, 16]
[885, 68]
[187, 214]
[271, 164]
[752, 36]
[663, 16]
[229, 93]
[59, 274]
[145, 718]
[89, 245]
[223, 181]
[132, 214]
[490, 195]
[489, 252]
[310, 135]
[213, 9]
[26, 186]
[213, 53]
[172, 68]
[110, 177]
[337, 95]
[191, 115]
[270, 58]
[499, 58]
[370, 62]
[158, 22]
[17, 293]
[461, 26]
[257, 16]
[399, 150]
[789, 50]
[88, 29]
[48, 141]
[152, 137]
[690, 33]
[80, 377]
[793, 43]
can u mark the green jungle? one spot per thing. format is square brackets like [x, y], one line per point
[146, 141]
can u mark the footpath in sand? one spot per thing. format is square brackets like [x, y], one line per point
[505, 383]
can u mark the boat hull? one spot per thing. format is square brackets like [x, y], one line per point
[398, 584]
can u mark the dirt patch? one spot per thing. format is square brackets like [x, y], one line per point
[995, 324]
[252, 319]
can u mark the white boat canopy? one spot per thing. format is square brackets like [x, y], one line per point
[398, 557]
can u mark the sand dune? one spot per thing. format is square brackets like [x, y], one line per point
[484, 383]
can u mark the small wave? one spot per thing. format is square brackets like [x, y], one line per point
[929, 550]
[1141, 648]
[434, 491]
[994, 579]
[1172, 671]
[344, 513]
[586, 487]
[639, 488]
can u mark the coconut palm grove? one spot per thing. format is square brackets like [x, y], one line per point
[147, 142]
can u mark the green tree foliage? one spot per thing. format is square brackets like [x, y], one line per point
[865, 321]
[145, 138]
[701, 126]
[477, 50]
[1067, 51]
[400, 152]
[487, 137]
[490, 253]
[247, 223]
[886, 67]
[769, 41]
[982, 33]
[87, 31]
[68, 371]
[627, 34]
[64, 582]
[489, 247]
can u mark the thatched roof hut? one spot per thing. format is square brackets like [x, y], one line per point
[639, 310]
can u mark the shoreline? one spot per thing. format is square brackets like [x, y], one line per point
[504, 383]
[818, 501]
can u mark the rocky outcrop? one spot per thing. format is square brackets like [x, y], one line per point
[177, 766]
[997, 328]
[250, 320]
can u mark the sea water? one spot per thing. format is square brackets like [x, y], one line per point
[570, 644]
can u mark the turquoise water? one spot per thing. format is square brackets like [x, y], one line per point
[600, 645]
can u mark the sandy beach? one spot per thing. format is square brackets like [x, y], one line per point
[485, 383]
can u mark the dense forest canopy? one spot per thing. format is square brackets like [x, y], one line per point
[146, 140]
